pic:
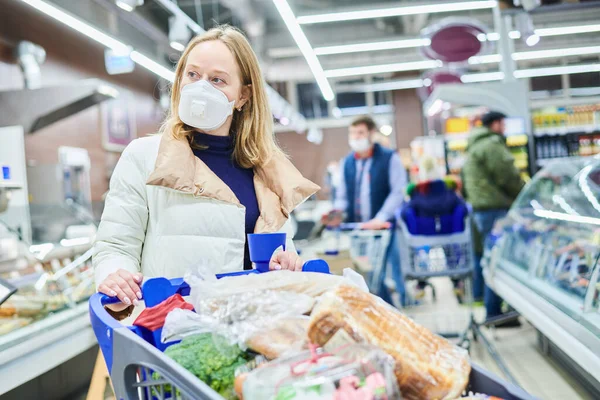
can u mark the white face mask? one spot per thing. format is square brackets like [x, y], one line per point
[359, 145]
[203, 106]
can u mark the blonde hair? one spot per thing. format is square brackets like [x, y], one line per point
[253, 126]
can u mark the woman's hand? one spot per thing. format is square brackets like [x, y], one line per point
[125, 285]
[286, 260]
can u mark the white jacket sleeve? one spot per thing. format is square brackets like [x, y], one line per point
[122, 229]
[288, 229]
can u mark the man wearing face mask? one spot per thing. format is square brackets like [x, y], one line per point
[372, 188]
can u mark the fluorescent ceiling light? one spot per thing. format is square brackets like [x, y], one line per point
[381, 86]
[568, 30]
[537, 54]
[551, 71]
[482, 77]
[374, 46]
[77, 24]
[101, 38]
[532, 40]
[177, 46]
[125, 6]
[153, 66]
[300, 38]
[384, 68]
[397, 11]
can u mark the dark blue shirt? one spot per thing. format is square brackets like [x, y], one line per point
[219, 158]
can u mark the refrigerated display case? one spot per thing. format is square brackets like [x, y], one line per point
[45, 322]
[543, 260]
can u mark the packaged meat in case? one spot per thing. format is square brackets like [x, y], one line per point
[427, 366]
[338, 373]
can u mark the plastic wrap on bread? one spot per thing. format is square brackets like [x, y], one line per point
[349, 372]
[427, 366]
[204, 285]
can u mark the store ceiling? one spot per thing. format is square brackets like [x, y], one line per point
[282, 60]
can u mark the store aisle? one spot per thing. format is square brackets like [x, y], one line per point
[536, 373]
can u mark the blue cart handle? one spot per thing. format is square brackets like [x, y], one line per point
[154, 291]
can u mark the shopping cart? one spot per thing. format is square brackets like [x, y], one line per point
[447, 254]
[140, 370]
[368, 249]
[134, 356]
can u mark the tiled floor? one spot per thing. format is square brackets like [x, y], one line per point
[535, 373]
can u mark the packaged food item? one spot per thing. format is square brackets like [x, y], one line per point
[282, 336]
[153, 318]
[204, 285]
[211, 359]
[427, 366]
[350, 372]
[238, 317]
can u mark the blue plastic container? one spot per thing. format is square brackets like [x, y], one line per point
[262, 246]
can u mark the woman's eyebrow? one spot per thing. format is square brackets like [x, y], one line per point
[216, 70]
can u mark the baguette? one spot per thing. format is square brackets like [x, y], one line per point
[427, 366]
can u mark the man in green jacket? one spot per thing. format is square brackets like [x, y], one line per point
[491, 184]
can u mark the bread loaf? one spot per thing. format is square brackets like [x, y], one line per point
[282, 336]
[428, 367]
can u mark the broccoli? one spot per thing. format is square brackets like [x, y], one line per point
[211, 359]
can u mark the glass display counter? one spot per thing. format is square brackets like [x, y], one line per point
[45, 323]
[544, 257]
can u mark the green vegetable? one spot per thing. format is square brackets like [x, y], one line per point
[211, 359]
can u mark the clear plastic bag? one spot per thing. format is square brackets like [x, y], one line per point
[427, 366]
[204, 285]
[237, 317]
[350, 372]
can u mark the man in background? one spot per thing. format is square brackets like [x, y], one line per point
[491, 184]
[371, 188]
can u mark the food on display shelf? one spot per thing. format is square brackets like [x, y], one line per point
[8, 325]
[210, 358]
[282, 337]
[348, 372]
[7, 311]
[427, 366]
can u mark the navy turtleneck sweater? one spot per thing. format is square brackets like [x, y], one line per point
[219, 158]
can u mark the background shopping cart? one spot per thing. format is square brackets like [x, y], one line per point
[368, 250]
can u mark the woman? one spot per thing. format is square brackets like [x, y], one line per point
[215, 174]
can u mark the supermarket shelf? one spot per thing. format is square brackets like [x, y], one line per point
[35, 349]
[546, 161]
[564, 332]
[563, 130]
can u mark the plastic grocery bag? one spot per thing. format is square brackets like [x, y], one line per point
[237, 317]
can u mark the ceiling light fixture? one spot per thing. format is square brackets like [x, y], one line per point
[525, 27]
[300, 38]
[179, 34]
[551, 71]
[152, 66]
[383, 68]
[397, 11]
[129, 5]
[374, 46]
[77, 24]
[386, 130]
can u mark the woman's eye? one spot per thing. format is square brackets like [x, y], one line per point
[218, 81]
[192, 75]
